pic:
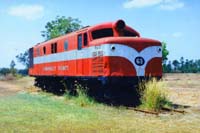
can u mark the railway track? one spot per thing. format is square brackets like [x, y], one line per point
[156, 112]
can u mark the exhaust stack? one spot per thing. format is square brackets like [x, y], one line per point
[119, 25]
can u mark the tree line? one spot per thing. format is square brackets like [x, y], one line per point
[182, 66]
[12, 70]
[178, 66]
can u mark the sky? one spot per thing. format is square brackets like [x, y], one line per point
[175, 22]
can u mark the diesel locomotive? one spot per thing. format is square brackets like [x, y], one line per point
[110, 53]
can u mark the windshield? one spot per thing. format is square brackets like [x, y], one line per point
[129, 33]
[107, 32]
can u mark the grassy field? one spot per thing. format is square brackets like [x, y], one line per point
[42, 112]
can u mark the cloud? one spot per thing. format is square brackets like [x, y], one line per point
[171, 5]
[140, 3]
[29, 12]
[161, 4]
[177, 34]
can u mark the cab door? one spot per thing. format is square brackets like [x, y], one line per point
[79, 55]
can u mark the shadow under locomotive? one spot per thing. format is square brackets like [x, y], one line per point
[112, 91]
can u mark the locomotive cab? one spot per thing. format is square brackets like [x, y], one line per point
[117, 29]
[125, 53]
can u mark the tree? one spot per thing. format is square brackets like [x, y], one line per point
[12, 67]
[4, 71]
[169, 67]
[182, 63]
[198, 65]
[187, 66]
[12, 64]
[60, 26]
[165, 52]
[176, 64]
[183, 66]
[23, 58]
[193, 66]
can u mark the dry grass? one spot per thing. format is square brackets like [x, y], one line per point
[11, 87]
[184, 89]
[33, 89]
[8, 89]
[23, 83]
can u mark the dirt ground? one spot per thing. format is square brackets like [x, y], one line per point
[12, 87]
[184, 89]
[8, 89]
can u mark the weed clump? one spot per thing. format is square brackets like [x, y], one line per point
[153, 95]
[81, 98]
[32, 89]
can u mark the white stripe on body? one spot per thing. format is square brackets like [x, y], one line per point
[120, 51]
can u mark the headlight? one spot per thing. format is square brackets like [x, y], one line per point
[112, 48]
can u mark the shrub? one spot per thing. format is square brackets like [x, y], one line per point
[153, 95]
[81, 98]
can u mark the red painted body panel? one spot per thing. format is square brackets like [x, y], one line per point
[110, 66]
[154, 68]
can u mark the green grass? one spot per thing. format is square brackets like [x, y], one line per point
[25, 111]
[43, 112]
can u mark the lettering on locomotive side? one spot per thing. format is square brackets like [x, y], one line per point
[53, 68]
[97, 53]
[50, 68]
[63, 68]
[100, 53]
[97, 62]
[94, 54]
[98, 47]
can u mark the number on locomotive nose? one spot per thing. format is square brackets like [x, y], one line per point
[139, 61]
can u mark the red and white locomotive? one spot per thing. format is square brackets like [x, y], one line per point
[105, 52]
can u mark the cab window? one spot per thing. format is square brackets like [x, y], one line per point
[85, 39]
[54, 48]
[44, 50]
[80, 41]
[38, 52]
[66, 45]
